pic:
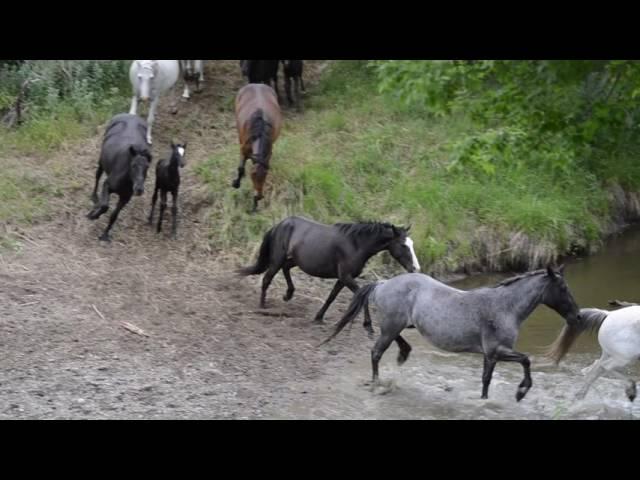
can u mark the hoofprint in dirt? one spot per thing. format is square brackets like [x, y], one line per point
[210, 351]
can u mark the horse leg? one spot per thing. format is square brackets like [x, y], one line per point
[151, 117]
[275, 86]
[332, 296]
[174, 214]
[405, 349]
[103, 204]
[94, 195]
[266, 281]
[163, 206]
[296, 87]
[594, 372]
[508, 355]
[185, 93]
[287, 276]
[287, 88]
[390, 331]
[134, 105]
[243, 161]
[200, 80]
[353, 286]
[124, 199]
[154, 199]
[302, 84]
[487, 372]
[631, 389]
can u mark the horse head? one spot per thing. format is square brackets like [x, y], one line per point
[401, 248]
[140, 161]
[146, 72]
[557, 296]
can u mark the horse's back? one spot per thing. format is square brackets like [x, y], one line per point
[123, 131]
[257, 96]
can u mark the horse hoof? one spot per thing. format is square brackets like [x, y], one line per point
[520, 395]
[318, 321]
[235, 184]
[105, 238]
[484, 397]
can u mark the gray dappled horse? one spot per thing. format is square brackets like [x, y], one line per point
[483, 320]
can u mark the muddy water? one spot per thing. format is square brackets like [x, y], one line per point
[439, 385]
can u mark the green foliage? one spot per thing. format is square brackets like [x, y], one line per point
[561, 115]
[59, 97]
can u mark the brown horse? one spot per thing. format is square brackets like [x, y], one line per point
[259, 121]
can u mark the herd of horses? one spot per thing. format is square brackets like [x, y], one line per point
[484, 320]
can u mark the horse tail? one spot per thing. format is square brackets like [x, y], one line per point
[591, 318]
[260, 129]
[358, 302]
[264, 257]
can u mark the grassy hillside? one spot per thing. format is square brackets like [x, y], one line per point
[357, 155]
[354, 154]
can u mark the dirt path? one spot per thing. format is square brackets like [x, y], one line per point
[210, 353]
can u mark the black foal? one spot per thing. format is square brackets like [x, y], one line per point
[168, 180]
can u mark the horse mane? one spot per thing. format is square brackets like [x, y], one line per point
[260, 129]
[512, 280]
[355, 230]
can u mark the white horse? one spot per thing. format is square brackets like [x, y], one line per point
[192, 71]
[619, 337]
[150, 80]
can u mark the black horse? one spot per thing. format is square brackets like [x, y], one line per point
[328, 251]
[261, 71]
[293, 72]
[125, 157]
[168, 180]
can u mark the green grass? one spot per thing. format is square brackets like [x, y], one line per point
[356, 155]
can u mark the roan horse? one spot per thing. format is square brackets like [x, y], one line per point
[259, 121]
[125, 157]
[619, 338]
[150, 80]
[168, 180]
[482, 320]
[192, 71]
[328, 251]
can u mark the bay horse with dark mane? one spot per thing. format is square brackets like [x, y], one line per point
[259, 121]
[338, 251]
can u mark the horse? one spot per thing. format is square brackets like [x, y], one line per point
[150, 80]
[261, 71]
[338, 251]
[483, 320]
[259, 121]
[125, 157]
[293, 71]
[168, 180]
[619, 338]
[192, 71]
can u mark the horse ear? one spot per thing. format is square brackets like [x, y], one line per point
[184, 145]
[407, 228]
[173, 145]
[561, 269]
[550, 271]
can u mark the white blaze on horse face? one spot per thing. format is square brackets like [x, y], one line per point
[409, 243]
[181, 151]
